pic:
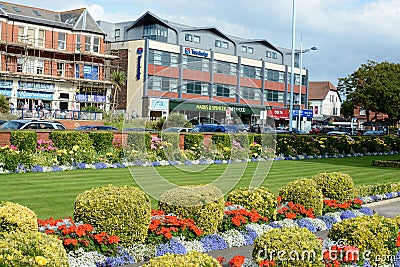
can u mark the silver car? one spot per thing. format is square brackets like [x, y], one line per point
[32, 124]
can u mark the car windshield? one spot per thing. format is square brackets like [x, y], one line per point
[12, 125]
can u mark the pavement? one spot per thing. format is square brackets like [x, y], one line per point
[388, 208]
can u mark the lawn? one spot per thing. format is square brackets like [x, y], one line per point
[53, 194]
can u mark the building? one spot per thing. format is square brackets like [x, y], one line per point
[53, 59]
[325, 100]
[201, 72]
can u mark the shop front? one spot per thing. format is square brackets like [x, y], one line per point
[280, 116]
[210, 112]
[6, 88]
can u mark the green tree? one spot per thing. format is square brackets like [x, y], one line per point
[118, 79]
[347, 109]
[4, 105]
[374, 87]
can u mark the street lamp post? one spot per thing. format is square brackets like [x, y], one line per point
[301, 80]
[292, 67]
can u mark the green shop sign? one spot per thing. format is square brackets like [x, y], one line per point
[213, 108]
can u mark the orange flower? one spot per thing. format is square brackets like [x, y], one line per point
[237, 261]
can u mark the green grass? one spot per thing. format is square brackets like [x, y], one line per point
[53, 194]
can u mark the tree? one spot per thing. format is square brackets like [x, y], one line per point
[4, 105]
[347, 109]
[374, 87]
[118, 79]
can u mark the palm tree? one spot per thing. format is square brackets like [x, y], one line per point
[118, 79]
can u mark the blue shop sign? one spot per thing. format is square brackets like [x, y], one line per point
[159, 104]
[6, 84]
[35, 95]
[190, 51]
[90, 98]
[305, 113]
[36, 86]
[5, 92]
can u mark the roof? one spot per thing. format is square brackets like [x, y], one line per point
[319, 90]
[75, 20]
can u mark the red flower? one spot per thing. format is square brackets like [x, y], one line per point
[266, 263]
[398, 240]
[221, 259]
[236, 261]
[279, 199]
[291, 215]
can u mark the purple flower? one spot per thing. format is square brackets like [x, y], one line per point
[213, 242]
[366, 264]
[397, 260]
[56, 168]
[366, 211]
[328, 220]
[304, 223]
[80, 165]
[249, 236]
[347, 214]
[275, 225]
[172, 247]
[389, 195]
[100, 165]
[37, 168]
[119, 260]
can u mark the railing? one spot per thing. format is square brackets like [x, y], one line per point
[56, 114]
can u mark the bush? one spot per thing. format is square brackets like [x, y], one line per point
[102, 140]
[283, 245]
[335, 185]
[24, 140]
[396, 220]
[139, 141]
[123, 211]
[376, 189]
[31, 249]
[14, 159]
[260, 199]
[171, 143]
[386, 163]
[204, 204]
[375, 234]
[68, 139]
[193, 142]
[193, 259]
[17, 218]
[304, 192]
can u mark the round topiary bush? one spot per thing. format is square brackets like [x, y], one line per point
[375, 234]
[15, 217]
[31, 249]
[335, 185]
[204, 204]
[260, 199]
[193, 258]
[304, 192]
[288, 247]
[123, 211]
[396, 220]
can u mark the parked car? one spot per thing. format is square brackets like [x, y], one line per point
[333, 133]
[32, 124]
[96, 128]
[208, 128]
[176, 130]
[231, 128]
[197, 121]
[372, 133]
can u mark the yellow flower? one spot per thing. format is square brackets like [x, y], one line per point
[75, 148]
[9, 257]
[41, 261]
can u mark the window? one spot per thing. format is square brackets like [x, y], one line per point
[174, 60]
[117, 33]
[96, 44]
[250, 50]
[39, 66]
[40, 41]
[225, 45]
[274, 55]
[21, 34]
[155, 32]
[188, 37]
[37, 13]
[268, 54]
[315, 110]
[217, 43]
[16, 9]
[249, 93]
[222, 90]
[78, 42]
[195, 87]
[88, 43]
[20, 64]
[196, 39]
[61, 40]
[61, 69]
[243, 49]
[31, 36]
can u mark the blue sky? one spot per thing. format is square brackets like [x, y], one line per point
[347, 33]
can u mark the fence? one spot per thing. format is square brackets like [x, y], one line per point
[57, 114]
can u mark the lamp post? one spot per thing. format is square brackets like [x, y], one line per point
[292, 67]
[301, 80]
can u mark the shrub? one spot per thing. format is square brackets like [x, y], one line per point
[260, 199]
[193, 258]
[304, 192]
[14, 159]
[24, 140]
[205, 204]
[139, 141]
[31, 249]
[291, 243]
[386, 163]
[102, 140]
[68, 139]
[375, 234]
[335, 185]
[396, 220]
[17, 218]
[123, 211]
[376, 189]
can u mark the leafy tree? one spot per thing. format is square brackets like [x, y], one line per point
[347, 109]
[118, 79]
[375, 87]
[4, 105]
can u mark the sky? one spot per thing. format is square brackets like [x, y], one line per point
[347, 33]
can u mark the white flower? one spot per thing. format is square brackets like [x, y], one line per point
[259, 228]
[233, 238]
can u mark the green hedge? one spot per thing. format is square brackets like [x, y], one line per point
[139, 141]
[102, 140]
[376, 189]
[68, 139]
[24, 140]
[386, 163]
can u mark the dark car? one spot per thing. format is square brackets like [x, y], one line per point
[32, 124]
[231, 128]
[177, 130]
[96, 128]
[212, 128]
[373, 133]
